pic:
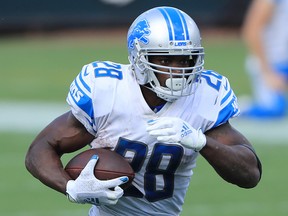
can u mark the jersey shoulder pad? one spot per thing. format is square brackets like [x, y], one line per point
[220, 92]
[92, 91]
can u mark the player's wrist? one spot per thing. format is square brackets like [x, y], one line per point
[70, 198]
[70, 191]
[202, 141]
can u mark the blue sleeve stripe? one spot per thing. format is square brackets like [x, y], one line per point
[226, 113]
[82, 80]
[88, 119]
[84, 102]
[226, 97]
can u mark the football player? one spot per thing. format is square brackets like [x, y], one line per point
[161, 112]
[266, 36]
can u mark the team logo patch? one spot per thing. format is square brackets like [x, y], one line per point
[140, 32]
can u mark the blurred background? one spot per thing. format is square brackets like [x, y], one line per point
[17, 15]
[43, 46]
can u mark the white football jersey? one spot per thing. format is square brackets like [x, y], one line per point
[107, 99]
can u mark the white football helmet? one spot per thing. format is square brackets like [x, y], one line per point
[165, 31]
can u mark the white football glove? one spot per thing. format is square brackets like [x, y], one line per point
[88, 189]
[175, 130]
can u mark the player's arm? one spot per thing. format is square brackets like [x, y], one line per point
[232, 156]
[63, 135]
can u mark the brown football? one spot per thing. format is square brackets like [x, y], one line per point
[109, 165]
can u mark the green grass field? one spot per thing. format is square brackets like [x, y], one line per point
[41, 69]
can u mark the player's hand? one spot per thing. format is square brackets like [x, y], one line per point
[175, 130]
[88, 189]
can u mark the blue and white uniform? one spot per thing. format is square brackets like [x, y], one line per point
[106, 98]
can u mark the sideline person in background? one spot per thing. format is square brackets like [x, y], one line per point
[161, 111]
[265, 33]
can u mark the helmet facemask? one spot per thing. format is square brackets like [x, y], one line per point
[181, 81]
[154, 34]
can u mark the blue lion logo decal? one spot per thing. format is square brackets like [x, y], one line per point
[140, 31]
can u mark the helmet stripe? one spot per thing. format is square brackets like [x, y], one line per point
[176, 23]
[185, 26]
[167, 22]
